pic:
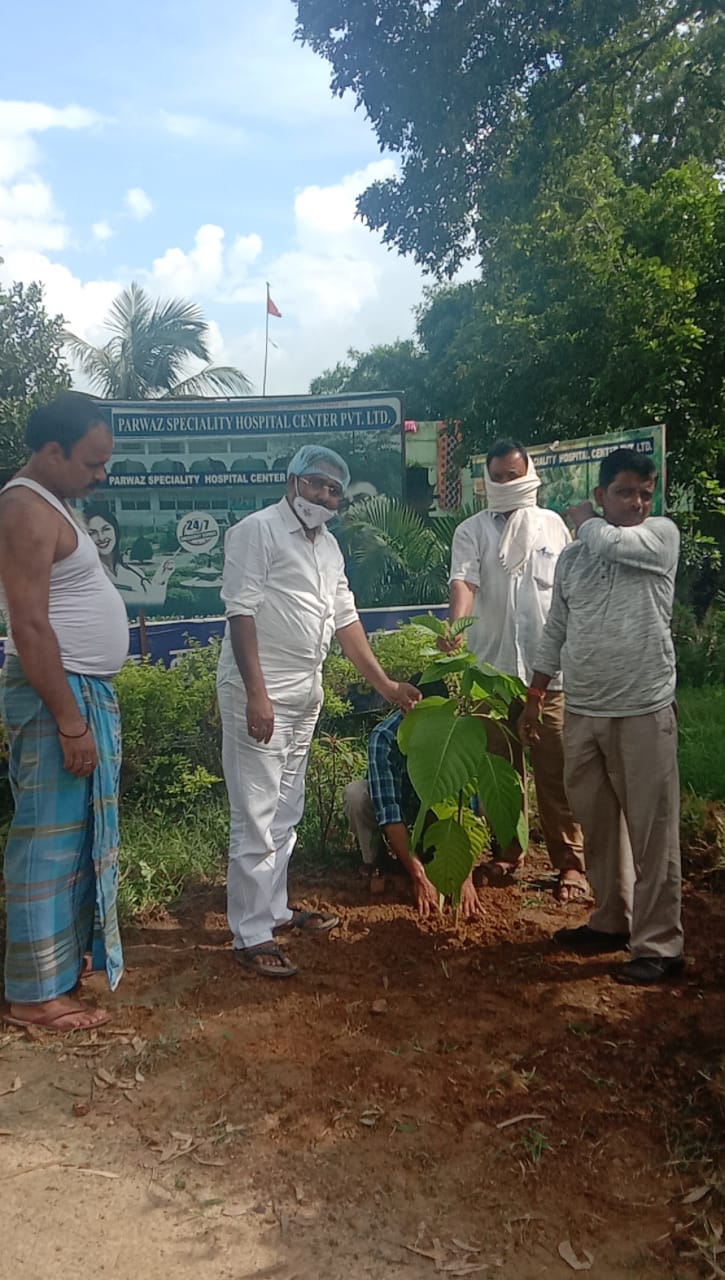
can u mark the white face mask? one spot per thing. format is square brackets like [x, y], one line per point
[311, 515]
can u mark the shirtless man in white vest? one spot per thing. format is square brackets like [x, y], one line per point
[67, 636]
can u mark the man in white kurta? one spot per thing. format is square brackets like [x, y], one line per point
[502, 572]
[286, 595]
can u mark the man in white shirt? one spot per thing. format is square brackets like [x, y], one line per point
[609, 629]
[502, 572]
[286, 596]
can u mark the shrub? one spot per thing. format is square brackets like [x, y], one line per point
[405, 652]
[702, 734]
[171, 731]
[700, 646]
[333, 763]
[702, 835]
[159, 859]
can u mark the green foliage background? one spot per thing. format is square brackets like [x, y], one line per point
[174, 815]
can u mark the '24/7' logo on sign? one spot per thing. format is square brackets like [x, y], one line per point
[197, 532]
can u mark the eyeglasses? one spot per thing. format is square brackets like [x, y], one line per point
[317, 484]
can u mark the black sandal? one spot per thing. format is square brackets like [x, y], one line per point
[301, 920]
[253, 958]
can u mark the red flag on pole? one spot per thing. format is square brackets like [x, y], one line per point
[272, 310]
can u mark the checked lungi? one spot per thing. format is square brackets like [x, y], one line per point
[61, 857]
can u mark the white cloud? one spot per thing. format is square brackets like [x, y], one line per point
[83, 305]
[138, 204]
[29, 219]
[209, 269]
[183, 126]
[18, 153]
[20, 120]
[197, 272]
[198, 128]
[35, 117]
[102, 231]
[331, 210]
[336, 285]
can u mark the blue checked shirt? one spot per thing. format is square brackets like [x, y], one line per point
[386, 770]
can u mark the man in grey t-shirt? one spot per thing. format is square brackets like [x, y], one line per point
[609, 632]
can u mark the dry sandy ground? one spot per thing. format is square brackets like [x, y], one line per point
[423, 1101]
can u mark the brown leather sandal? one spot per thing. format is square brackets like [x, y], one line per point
[259, 960]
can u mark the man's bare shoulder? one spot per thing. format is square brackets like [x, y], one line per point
[29, 527]
[21, 504]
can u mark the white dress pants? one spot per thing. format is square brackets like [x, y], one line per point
[266, 786]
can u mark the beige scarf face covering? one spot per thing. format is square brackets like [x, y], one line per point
[522, 526]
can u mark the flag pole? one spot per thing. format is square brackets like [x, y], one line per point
[266, 343]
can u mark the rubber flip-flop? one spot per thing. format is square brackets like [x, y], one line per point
[52, 1024]
[247, 958]
[302, 921]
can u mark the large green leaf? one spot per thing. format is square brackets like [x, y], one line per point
[419, 712]
[454, 856]
[496, 683]
[474, 681]
[445, 752]
[460, 625]
[476, 828]
[431, 623]
[446, 667]
[501, 795]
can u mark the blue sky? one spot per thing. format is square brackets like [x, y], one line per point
[198, 150]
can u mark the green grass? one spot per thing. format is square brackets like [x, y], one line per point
[702, 741]
[161, 854]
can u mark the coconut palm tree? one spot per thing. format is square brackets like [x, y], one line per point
[392, 555]
[396, 556]
[152, 351]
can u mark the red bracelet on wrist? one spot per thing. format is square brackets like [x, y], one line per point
[539, 694]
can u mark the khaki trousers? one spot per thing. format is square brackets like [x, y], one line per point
[562, 835]
[363, 821]
[623, 784]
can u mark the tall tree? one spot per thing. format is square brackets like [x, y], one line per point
[32, 369]
[397, 366]
[606, 311]
[479, 98]
[153, 346]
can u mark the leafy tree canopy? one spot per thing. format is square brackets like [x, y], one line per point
[32, 369]
[604, 311]
[399, 366]
[482, 98]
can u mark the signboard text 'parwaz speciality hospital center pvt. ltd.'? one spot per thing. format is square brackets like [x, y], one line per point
[183, 471]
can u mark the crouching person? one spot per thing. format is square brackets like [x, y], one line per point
[379, 810]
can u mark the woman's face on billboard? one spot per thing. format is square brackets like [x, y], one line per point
[103, 534]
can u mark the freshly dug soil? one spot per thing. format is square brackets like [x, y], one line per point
[425, 1099]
